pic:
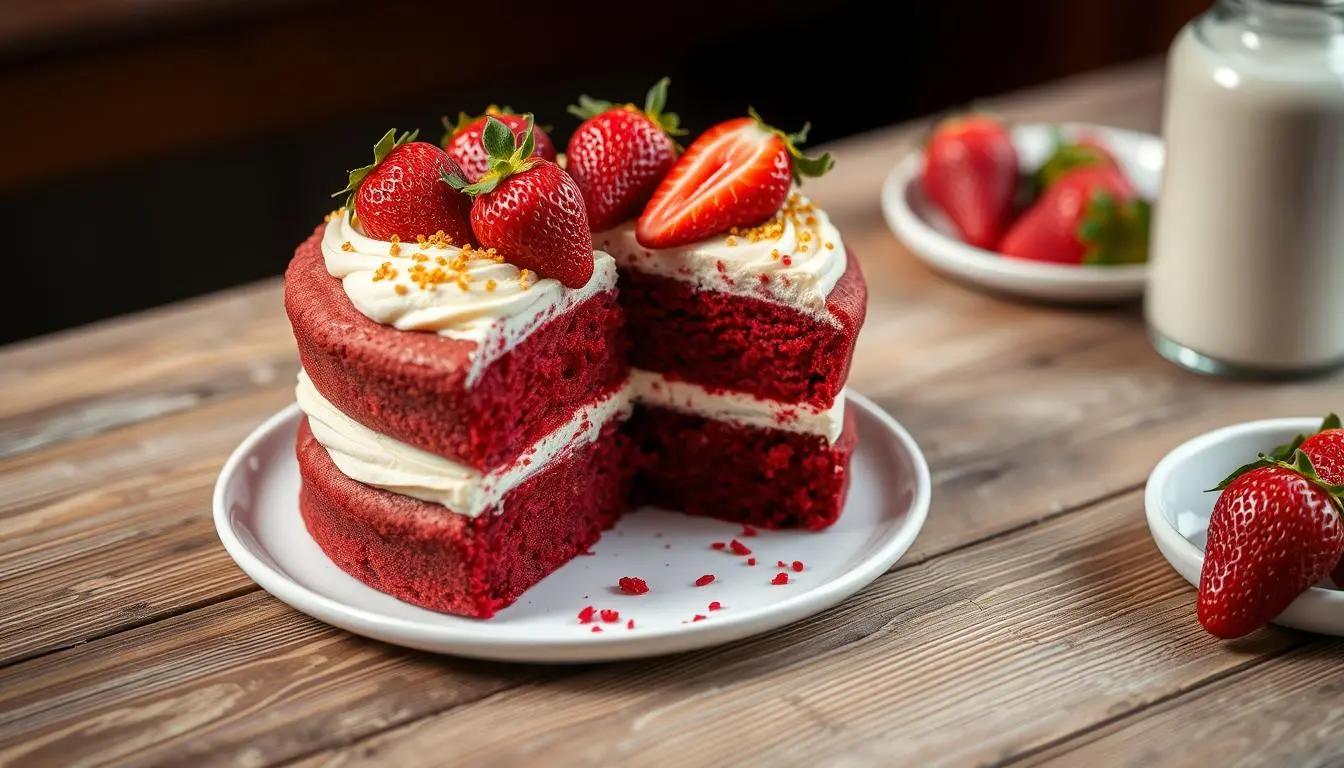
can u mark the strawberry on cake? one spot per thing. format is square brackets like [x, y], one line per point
[471, 421]
[742, 308]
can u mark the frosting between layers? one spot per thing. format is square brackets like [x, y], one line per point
[796, 259]
[494, 305]
[738, 407]
[382, 462]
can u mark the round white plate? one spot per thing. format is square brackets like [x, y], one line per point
[1178, 507]
[257, 517]
[928, 233]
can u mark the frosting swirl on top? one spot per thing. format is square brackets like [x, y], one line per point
[462, 293]
[795, 258]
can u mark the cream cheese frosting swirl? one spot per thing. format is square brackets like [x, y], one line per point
[795, 258]
[461, 293]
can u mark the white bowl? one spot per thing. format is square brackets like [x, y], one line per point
[929, 234]
[1178, 508]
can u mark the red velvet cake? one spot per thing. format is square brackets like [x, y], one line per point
[471, 420]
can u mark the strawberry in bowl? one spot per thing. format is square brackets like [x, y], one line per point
[1045, 212]
[1269, 547]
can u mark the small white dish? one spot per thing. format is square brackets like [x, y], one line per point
[930, 236]
[1178, 507]
[257, 518]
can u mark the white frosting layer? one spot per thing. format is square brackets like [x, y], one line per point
[382, 462]
[497, 309]
[797, 264]
[738, 407]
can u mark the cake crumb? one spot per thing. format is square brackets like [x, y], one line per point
[731, 240]
[347, 246]
[716, 605]
[748, 530]
[597, 629]
[420, 257]
[717, 545]
[751, 561]
[401, 289]
[780, 579]
[630, 624]
[798, 566]
[586, 615]
[395, 248]
[708, 578]
[490, 285]
[830, 246]
[633, 585]
[525, 279]
[609, 616]
[698, 617]
[739, 548]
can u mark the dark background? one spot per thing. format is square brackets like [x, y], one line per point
[161, 149]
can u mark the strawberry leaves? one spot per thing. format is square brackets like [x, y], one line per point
[1114, 232]
[381, 150]
[654, 102]
[802, 165]
[1284, 456]
[508, 156]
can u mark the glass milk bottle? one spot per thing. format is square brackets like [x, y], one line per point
[1247, 273]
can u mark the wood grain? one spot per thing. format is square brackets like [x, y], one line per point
[1285, 712]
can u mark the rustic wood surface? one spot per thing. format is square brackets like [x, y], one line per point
[1033, 622]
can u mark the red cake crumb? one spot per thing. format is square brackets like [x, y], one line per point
[751, 561]
[748, 530]
[633, 585]
[716, 605]
[739, 548]
[781, 564]
[630, 624]
[597, 629]
[780, 578]
[798, 565]
[698, 617]
[717, 545]
[587, 614]
[703, 580]
[609, 616]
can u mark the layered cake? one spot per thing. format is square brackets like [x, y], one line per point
[472, 419]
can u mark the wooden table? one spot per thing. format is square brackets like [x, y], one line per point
[1034, 620]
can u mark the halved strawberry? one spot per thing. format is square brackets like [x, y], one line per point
[619, 154]
[736, 174]
[463, 139]
[528, 209]
[400, 194]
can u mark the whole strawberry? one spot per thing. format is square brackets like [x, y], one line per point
[1084, 152]
[736, 174]
[1326, 451]
[970, 172]
[1275, 531]
[463, 143]
[400, 193]
[528, 209]
[619, 154]
[1090, 215]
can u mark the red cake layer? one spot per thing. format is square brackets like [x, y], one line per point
[764, 477]
[413, 385]
[727, 341]
[426, 555]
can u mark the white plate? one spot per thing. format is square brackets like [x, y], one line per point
[257, 517]
[1178, 507]
[928, 233]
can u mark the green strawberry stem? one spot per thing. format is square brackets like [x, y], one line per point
[654, 102]
[1114, 232]
[509, 155]
[451, 128]
[1065, 157]
[381, 150]
[803, 165]
[1280, 455]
